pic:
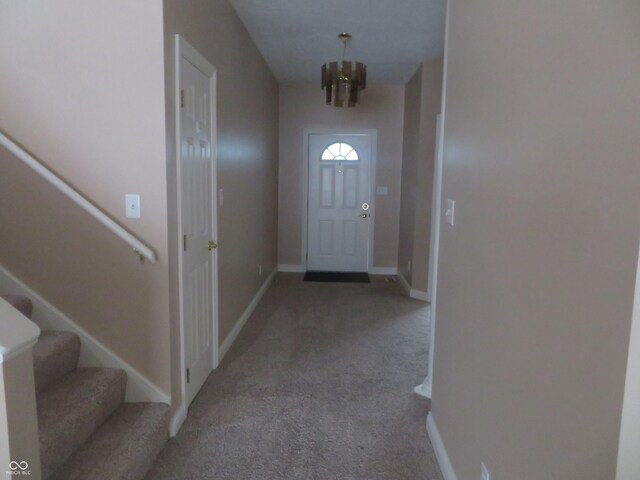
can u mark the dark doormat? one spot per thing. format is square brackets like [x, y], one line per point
[351, 277]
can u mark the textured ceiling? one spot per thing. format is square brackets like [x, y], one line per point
[391, 36]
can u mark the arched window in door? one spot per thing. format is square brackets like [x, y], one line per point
[340, 151]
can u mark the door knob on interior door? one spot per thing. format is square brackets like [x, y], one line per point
[211, 245]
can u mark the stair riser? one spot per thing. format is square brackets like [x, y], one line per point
[156, 442]
[54, 357]
[58, 443]
[124, 448]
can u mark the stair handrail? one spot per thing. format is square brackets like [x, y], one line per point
[139, 248]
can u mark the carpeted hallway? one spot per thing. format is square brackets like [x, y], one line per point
[319, 385]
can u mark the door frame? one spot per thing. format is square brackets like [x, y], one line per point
[373, 134]
[425, 388]
[436, 224]
[435, 214]
[186, 51]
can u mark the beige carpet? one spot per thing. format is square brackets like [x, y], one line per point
[319, 385]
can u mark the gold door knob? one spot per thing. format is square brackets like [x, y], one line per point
[211, 245]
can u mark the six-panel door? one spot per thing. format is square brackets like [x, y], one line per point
[197, 220]
[339, 202]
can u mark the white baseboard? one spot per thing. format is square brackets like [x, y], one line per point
[177, 419]
[424, 389]
[441, 452]
[292, 268]
[93, 353]
[404, 283]
[383, 270]
[412, 292]
[418, 295]
[231, 337]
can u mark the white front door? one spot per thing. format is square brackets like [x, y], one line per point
[196, 172]
[339, 204]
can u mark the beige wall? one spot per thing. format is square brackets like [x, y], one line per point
[422, 101]
[81, 87]
[303, 106]
[628, 465]
[247, 110]
[536, 279]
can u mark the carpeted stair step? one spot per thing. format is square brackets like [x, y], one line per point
[21, 303]
[71, 410]
[123, 448]
[54, 356]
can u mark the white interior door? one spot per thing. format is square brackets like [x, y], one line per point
[339, 204]
[196, 172]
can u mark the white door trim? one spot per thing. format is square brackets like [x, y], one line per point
[432, 289]
[373, 133]
[435, 214]
[628, 461]
[426, 388]
[184, 50]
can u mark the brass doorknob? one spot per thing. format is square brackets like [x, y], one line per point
[211, 245]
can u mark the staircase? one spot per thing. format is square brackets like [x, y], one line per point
[86, 430]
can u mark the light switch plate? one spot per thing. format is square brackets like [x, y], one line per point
[132, 205]
[450, 211]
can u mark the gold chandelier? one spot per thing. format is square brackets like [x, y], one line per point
[343, 80]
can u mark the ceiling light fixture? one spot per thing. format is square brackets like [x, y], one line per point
[342, 80]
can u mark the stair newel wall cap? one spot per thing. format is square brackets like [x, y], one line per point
[17, 332]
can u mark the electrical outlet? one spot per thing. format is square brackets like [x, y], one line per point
[484, 473]
[260, 270]
[409, 266]
[220, 197]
